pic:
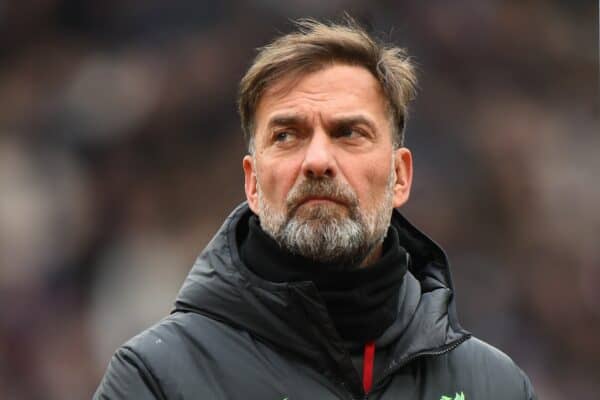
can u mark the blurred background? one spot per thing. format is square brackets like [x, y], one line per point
[120, 156]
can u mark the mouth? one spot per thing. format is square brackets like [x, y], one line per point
[315, 200]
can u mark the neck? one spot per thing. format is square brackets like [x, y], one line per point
[372, 257]
[362, 302]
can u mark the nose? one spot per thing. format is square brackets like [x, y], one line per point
[319, 160]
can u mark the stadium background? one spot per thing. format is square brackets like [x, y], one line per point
[120, 155]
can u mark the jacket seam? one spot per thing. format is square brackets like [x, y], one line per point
[146, 373]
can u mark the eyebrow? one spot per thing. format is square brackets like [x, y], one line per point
[286, 120]
[293, 119]
[354, 120]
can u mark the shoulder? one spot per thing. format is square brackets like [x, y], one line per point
[184, 338]
[484, 372]
[478, 353]
[177, 355]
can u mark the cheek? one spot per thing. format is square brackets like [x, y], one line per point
[378, 183]
[276, 180]
[375, 178]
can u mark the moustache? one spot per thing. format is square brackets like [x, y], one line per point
[326, 188]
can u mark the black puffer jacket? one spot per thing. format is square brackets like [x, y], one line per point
[233, 335]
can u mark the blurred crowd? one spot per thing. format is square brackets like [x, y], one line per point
[120, 155]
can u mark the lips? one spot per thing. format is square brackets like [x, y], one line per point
[320, 199]
[316, 201]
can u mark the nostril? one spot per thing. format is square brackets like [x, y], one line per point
[314, 173]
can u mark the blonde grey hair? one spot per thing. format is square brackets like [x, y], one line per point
[316, 44]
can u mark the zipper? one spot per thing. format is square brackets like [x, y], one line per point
[396, 366]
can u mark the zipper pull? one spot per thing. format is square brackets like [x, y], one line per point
[368, 361]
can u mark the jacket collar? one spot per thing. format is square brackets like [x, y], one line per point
[292, 316]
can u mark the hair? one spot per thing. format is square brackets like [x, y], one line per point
[314, 45]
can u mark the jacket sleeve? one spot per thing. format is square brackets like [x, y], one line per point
[528, 388]
[127, 377]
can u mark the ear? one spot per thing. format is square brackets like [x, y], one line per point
[403, 166]
[250, 184]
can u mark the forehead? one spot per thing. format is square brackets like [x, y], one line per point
[332, 90]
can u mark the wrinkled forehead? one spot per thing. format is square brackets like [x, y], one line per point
[331, 88]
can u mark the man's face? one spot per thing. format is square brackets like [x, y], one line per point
[324, 176]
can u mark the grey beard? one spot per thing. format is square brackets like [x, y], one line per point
[324, 235]
[326, 239]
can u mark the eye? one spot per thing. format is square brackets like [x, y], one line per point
[284, 135]
[347, 131]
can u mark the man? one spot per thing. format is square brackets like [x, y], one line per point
[317, 288]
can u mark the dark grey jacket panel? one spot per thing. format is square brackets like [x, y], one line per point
[189, 356]
[220, 362]
[235, 336]
[128, 378]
